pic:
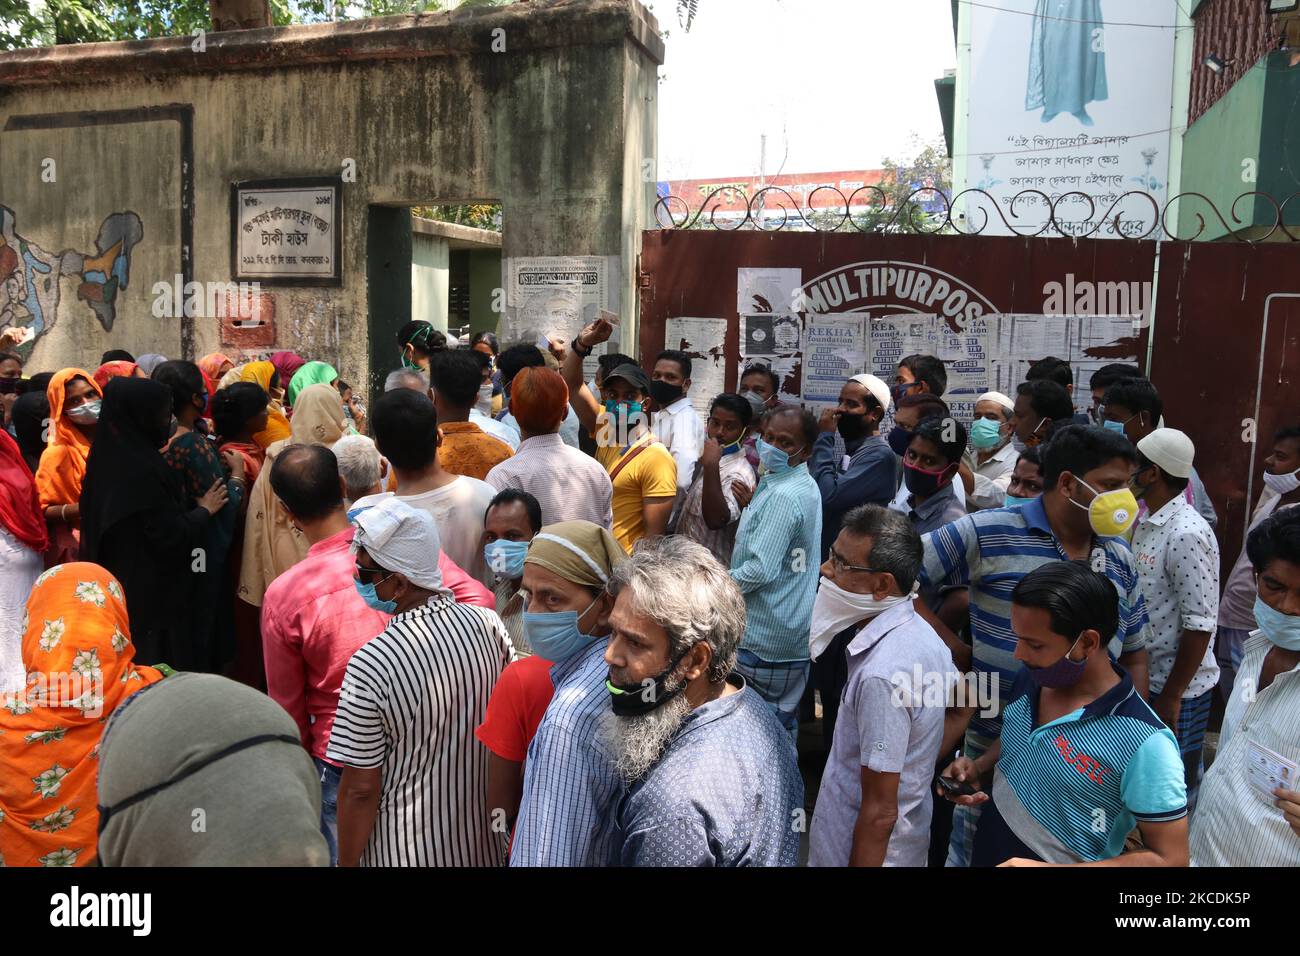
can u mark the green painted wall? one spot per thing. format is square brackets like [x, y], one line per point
[1215, 148]
[484, 280]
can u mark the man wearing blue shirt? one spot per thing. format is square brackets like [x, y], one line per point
[1082, 758]
[775, 562]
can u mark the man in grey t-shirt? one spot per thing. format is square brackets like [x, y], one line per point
[874, 807]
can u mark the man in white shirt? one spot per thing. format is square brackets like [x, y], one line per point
[405, 428]
[1250, 814]
[987, 465]
[677, 424]
[1178, 565]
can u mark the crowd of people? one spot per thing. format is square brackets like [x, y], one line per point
[509, 615]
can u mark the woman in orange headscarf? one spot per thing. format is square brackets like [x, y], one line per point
[74, 411]
[213, 366]
[80, 664]
[265, 375]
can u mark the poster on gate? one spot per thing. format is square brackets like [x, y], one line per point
[966, 355]
[834, 350]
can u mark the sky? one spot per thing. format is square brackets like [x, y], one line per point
[835, 84]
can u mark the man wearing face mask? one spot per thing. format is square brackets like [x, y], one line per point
[929, 467]
[408, 796]
[775, 564]
[1081, 758]
[1133, 408]
[851, 463]
[1178, 560]
[641, 470]
[711, 777]
[677, 424]
[873, 808]
[1040, 406]
[759, 386]
[1083, 513]
[1237, 608]
[709, 511]
[570, 784]
[509, 524]
[1249, 813]
[988, 463]
[908, 413]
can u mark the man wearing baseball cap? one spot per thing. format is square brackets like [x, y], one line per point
[852, 465]
[642, 471]
[1178, 564]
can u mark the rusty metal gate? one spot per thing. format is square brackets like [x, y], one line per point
[1222, 342]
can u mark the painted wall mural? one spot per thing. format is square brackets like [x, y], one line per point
[29, 275]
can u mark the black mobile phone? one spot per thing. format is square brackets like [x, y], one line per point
[958, 788]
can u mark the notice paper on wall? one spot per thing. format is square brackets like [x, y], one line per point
[555, 296]
[768, 290]
[834, 350]
[965, 353]
[702, 340]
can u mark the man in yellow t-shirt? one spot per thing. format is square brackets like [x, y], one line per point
[641, 469]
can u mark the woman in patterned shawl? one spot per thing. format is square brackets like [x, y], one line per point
[80, 663]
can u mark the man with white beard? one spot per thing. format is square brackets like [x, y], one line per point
[698, 750]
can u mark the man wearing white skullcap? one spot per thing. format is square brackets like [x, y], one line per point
[991, 457]
[413, 788]
[852, 465]
[1178, 564]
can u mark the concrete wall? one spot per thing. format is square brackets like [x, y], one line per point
[557, 127]
[430, 279]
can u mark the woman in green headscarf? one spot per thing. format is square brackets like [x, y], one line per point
[313, 373]
[206, 745]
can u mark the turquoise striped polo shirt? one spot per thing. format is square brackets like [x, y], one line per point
[1072, 790]
[991, 551]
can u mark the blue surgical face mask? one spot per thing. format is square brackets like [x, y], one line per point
[372, 598]
[1281, 629]
[555, 636]
[506, 558]
[985, 433]
[1011, 501]
[772, 458]
[1113, 426]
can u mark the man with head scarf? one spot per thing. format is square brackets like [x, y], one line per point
[711, 777]
[569, 485]
[414, 785]
[198, 747]
[78, 646]
[570, 782]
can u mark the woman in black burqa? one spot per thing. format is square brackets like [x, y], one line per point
[134, 522]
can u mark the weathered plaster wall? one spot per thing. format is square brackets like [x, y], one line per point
[430, 279]
[556, 128]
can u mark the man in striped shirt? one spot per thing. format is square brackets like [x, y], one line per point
[1248, 815]
[776, 561]
[414, 786]
[991, 550]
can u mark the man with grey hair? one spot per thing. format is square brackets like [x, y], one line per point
[712, 779]
[408, 378]
[874, 806]
[361, 467]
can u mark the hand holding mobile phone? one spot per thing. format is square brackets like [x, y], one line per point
[958, 788]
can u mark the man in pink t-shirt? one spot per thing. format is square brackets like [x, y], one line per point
[313, 617]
